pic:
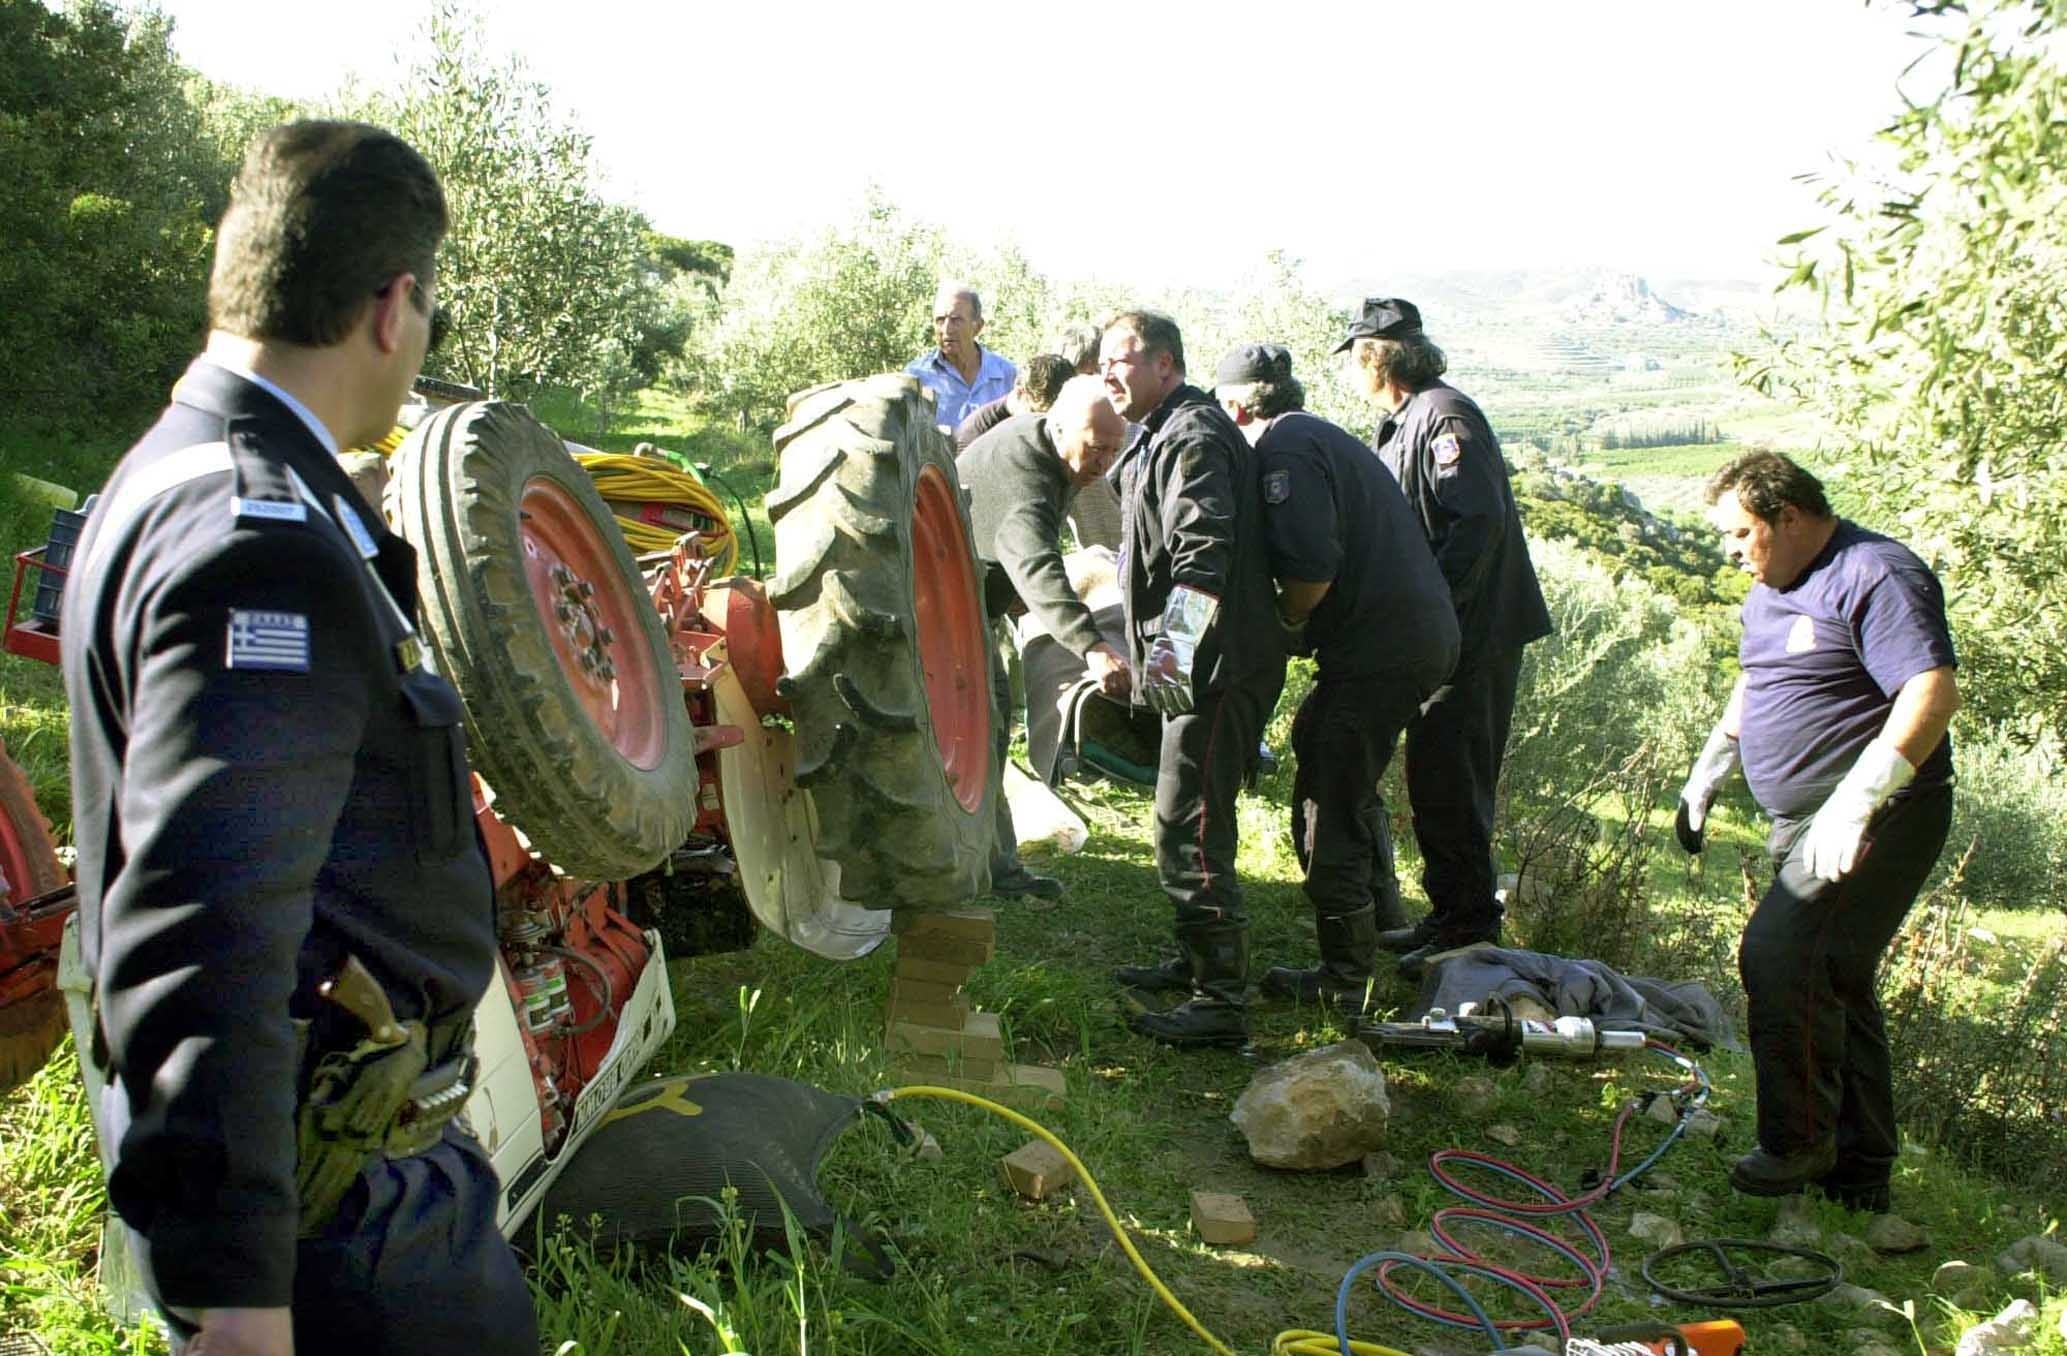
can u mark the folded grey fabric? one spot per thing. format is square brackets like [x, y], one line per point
[1682, 1010]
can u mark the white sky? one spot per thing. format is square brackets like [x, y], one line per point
[1175, 144]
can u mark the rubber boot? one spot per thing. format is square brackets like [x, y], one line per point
[1349, 943]
[1391, 912]
[1168, 976]
[1217, 1011]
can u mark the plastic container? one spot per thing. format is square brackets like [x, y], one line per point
[65, 527]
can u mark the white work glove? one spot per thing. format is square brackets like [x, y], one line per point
[1719, 758]
[1830, 848]
[1166, 672]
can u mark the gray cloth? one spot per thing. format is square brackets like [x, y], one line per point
[1683, 1010]
[1018, 489]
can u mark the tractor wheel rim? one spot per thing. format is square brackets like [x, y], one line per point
[592, 620]
[952, 639]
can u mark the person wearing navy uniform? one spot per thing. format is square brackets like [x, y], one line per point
[272, 802]
[1840, 721]
[1441, 450]
[1358, 590]
[1206, 652]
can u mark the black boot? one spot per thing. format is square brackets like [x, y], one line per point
[1343, 978]
[1169, 976]
[1385, 880]
[1412, 937]
[1760, 1173]
[1217, 1011]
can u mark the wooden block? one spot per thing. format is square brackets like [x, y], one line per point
[978, 1038]
[948, 1071]
[946, 947]
[947, 1016]
[1036, 1171]
[976, 925]
[1221, 1219]
[924, 992]
[925, 971]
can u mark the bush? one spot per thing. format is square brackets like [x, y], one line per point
[2012, 801]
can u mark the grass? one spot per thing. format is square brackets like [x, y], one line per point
[981, 1271]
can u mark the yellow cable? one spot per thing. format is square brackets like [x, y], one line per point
[648, 479]
[1297, 1342]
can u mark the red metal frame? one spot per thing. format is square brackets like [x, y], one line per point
[34, 638]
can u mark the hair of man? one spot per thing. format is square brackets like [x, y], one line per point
[1412, 362]
[1042, 379]
[1157, 332]
[322, 216]
[1078, 344]
[1266, 399]
[1767, 484]
[952, 292]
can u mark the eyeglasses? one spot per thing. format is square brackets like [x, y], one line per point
[441, 319]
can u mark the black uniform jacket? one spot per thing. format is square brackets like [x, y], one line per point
[1443, 452]
[1335, 517]
[1018, 491]
[260, 786]
[1194, 516]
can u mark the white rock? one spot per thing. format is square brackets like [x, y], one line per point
[1317, 1110]
[2046, 1256]
[1954, 1276]
[2014, 1327]
[1505, 1134]
[1655, 1230]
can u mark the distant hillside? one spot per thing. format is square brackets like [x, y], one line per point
[1679, 559]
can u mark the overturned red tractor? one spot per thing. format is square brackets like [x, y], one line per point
[661, 756]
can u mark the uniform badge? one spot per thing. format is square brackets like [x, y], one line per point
[1448, 451]
[1277, 487]
[1801, 637]
[270, 510]
[354, 528]
[275, 641]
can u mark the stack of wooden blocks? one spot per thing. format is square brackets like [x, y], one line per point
[931, 1034]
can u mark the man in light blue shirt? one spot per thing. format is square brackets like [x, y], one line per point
[960, 372]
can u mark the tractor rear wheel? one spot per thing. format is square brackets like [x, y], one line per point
[30, 1028]
[535, 610]
[885, 643]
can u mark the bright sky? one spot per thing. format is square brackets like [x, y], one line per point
[1176, 144]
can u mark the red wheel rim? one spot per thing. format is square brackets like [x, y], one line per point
[20, 883]
[593, 621]
[952, 638]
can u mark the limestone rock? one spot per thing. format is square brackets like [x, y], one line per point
[1955, 1276]
[1865, 1303]
[1536, 1081]
[1317, 1110]
[1705, 1124]
[1796, 1225]
[1894, 1235]
[1474, 1095]
[1656, 1230]
[1390, 1212]
[1852, 1253]
[2009, 1330]
[2046, 1256]
[1505, 1134]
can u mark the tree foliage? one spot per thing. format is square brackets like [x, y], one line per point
[1942, 363]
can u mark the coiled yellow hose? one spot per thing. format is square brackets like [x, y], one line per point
[624, 480]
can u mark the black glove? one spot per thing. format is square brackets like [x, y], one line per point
[1690, 838]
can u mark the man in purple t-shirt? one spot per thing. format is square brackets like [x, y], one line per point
[1839, 721]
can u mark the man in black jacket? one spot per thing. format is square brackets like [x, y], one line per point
[270, 790]
[1442, 451]
[1206, 652]
[1021, 477]
[1358, 590]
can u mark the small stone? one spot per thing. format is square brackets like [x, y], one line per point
[1381, 1165]
[1866, 1303]
[1705, 1124]
[1505, 1134]
[1784, 1340]
[1389, 1212]
[928, 1148]
[1791, 1268]
[1222, 1220]
[1536, 1081]
[2046, 1256]
[1475, 1096]
[1852, 1252]
[1656, 1230]
[1954, 1276]
[1036, 1170]
[1796, 1225]
[1894, 1235]
[1662, 1110]
[1317, 1110]
[2009, 1330]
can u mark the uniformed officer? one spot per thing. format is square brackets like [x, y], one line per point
[1840, 721]
[271, 795]
[1206, 652]
[1442, 451]
[1020, 477]
[1358, 590]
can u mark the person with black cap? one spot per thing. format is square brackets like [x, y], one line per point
[1358, 590]
[1206, 652]
[1439, 447]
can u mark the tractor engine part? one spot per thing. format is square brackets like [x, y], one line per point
[1499, 1035]
[34, 903]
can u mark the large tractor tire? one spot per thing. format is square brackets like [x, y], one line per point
[30, 1027]
[535, 610]
[884, 639]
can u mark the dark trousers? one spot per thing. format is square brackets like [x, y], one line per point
[1453, 767]
[411, 1265]
[1004, 852]
[1206, 756]
[1343, 738]
[1808, 961]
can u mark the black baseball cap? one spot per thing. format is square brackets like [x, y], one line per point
[1383, 318]
[1254, 362]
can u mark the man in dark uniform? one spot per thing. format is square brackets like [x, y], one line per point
[1840, 722]
[1206, 652]
[1442, 451]
[1020, 477]
[272, 802]
[1357, 589]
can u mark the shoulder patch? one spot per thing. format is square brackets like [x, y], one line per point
[269, 510]
[1277, 487]
[275, 641]
[1448, 450]
[355, 528]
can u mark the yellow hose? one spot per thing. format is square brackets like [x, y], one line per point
[1296, 1342]
[650, 480]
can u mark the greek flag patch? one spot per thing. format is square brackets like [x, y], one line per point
[278, 641]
